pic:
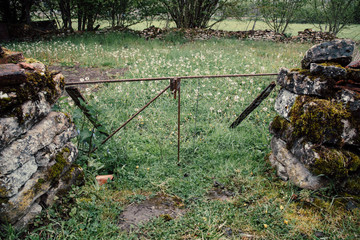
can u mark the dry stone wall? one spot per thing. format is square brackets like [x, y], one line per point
[316, 136]
[36, 155]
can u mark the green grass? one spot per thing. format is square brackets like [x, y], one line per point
[210, 151]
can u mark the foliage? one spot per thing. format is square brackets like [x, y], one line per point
[196, 14]
[278, 14]
[335, 14]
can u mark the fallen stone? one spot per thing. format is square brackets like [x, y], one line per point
[338, 51]
[288, 165]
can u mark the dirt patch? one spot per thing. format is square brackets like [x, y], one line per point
[78, 73]
[167, 207]
[220, 193]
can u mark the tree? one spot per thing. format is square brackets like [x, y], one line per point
[278, 14]
[16, 11]
[335, 14]
[124, 13]
[195, 13]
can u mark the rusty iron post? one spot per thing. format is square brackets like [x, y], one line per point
[131, 118]
[179, 113]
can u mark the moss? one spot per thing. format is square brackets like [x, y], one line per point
[31, 60]
[335, 163]
[318, 119]
[166, 217]
[38, 184]
[352, 185]
[3, 191]
[61, 162]
[279, 124]
[4, 201]
[331, 64]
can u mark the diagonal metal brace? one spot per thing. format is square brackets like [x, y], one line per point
[262, 96]
[77, 97]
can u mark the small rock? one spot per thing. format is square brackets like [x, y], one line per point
[228, 232]
[350, 205]
[218, 185]
[319, 234]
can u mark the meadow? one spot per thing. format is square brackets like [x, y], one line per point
[143, 156]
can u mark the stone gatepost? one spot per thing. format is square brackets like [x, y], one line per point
[316, 136]
[36, 155]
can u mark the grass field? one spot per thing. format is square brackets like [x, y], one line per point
[143, 156]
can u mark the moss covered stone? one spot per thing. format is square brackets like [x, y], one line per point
[61, 162]
[35, 83]
[335, 163]
[318, 120]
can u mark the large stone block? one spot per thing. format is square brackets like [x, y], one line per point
[288, 166]
[31, 113]
[330, 71]
[301, 82]
[338, 51]
[55, 127]
[11, 74]
[43, 181]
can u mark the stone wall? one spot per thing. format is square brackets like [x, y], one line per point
[36, 155]
[316, 136]
[308, 35]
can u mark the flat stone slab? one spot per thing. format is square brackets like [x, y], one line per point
[164, 206]
[11, 74]
[302, 83]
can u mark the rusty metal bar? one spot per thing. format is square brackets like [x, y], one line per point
[263, 95]
[179, 109]
[167, 78]
[131, 118]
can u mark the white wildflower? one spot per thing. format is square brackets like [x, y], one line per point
[3, 95]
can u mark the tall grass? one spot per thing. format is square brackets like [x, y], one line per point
[143, 156]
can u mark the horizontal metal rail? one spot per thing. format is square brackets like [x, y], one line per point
[167, 78]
